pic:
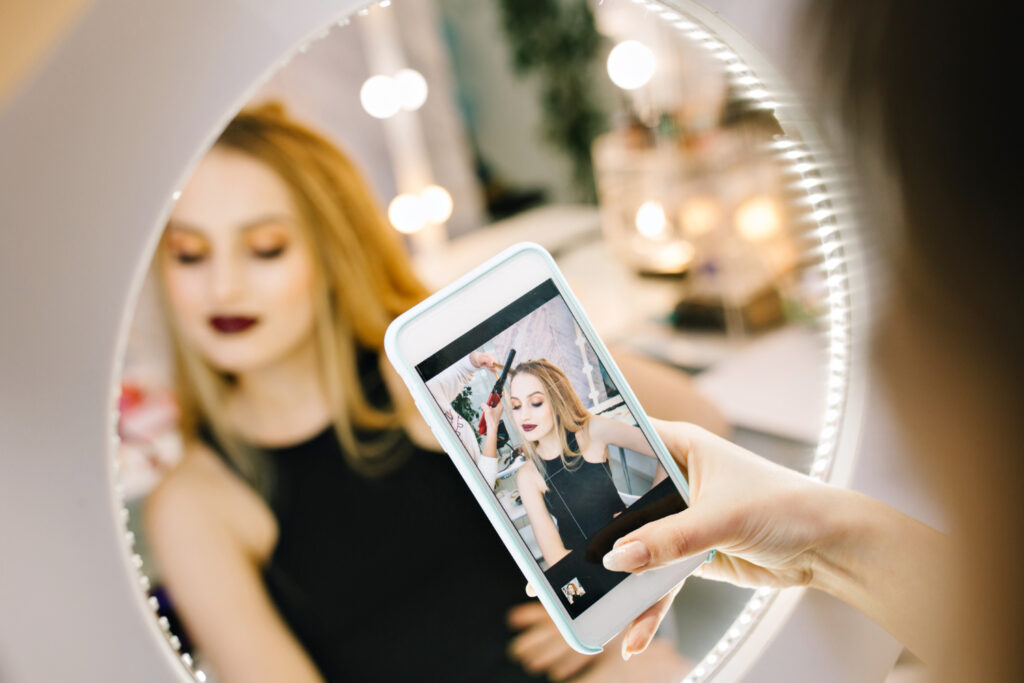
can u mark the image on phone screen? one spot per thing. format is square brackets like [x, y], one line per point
[574, 472]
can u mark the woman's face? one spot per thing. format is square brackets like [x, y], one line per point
[531, 407]
[237, 266]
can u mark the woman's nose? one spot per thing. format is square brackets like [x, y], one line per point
[226, 280]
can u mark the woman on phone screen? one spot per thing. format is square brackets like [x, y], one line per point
[567, 474]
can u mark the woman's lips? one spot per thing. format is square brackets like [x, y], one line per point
[230, 324]
[529, 427]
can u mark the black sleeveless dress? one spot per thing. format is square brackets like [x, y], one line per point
[583, 500]
[394, 578]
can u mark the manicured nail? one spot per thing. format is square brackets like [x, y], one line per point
[627, 557]
[636, 643]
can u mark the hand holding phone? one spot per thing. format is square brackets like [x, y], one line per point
[584, 465]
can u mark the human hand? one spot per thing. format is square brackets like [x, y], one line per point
[492, 415]
[539, 647]
[768, 523]
[479, 359]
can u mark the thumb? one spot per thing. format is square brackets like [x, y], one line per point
[664, 541]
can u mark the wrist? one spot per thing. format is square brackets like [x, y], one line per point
[852, 524]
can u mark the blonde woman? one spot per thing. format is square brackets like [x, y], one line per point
[310, 485]
[567, 475]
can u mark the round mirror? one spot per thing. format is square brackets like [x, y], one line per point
[680, 187]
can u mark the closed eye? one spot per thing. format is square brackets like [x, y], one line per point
[268, 253]
[187, 258]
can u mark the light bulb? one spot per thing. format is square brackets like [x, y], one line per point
[631, 64]
[380, 97]
[437, 204]
[699, 216]
[412, 89]
[406, 212]
[757, 218]
[650, 219]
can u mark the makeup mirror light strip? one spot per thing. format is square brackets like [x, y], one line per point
[55, 523]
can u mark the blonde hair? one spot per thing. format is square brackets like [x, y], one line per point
[363, 280]
[569, 414]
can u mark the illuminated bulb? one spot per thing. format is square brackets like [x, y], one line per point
[699, 216]
[380, 97]
[412, 89]
[407, 213]
[437, 204]
[757, 218]
[650, 219]
[631, 64]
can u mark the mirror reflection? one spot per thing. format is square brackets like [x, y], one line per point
[297, 519]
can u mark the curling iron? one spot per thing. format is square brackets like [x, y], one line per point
[495, 396]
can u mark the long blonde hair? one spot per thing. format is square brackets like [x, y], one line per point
[566, 407]
[363, 280]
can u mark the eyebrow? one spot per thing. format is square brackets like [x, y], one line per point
[175, 224]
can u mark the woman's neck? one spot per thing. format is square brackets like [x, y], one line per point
[284, 402]
[549, 446]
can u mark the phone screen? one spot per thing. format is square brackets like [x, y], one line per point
[573, 471]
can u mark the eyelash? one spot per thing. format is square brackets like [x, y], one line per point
[520, 405]
[187, 259]
[269, 253]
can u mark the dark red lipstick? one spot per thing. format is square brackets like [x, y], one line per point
[230, 324]
[527, 427]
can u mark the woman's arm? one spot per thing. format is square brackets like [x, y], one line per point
[209, 568]
[668, 393]
[492, 416]
[607, 430]
[544, 529]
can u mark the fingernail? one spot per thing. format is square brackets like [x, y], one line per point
[636, 643]
[627, 557]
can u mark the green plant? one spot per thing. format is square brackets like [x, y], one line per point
[557, 40]
[464, 406]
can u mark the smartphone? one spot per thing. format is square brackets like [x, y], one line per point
[570, 462]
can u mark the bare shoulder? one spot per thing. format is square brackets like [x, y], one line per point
[596, 431]
[202, 496]
[528, 476]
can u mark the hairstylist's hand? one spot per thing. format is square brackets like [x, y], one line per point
[767, 522]
[492, 415]
[480, 359]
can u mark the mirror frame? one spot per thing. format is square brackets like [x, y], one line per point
[95, 142]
